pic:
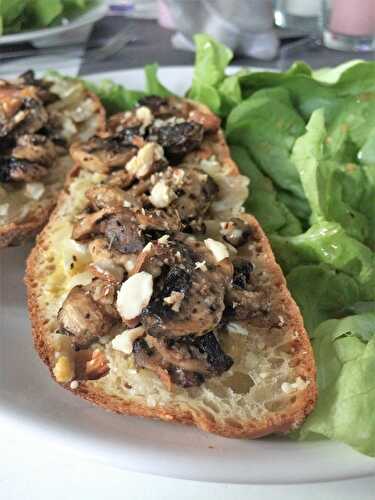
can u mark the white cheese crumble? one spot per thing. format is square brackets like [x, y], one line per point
[144, 115]
[134, 295]
[164, 239]
[140, 165]
[237, 328]
[218, 249]
[201, 265]
[34, 190]
[298, 385]
[4, 208]
[161, 195]
[125, 340]
[74, 384]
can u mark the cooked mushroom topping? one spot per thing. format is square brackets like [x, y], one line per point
[42, 86]
[209, 122]
[35, 148]
[100, 251]
[159, 106]
[83, 318]
[243, 301]
[198, 354]
[187, 360]
[178, 140]
[188, 191]
[126, 121]
[20, 115]
[236, 232]
[19, 170]
[103, 196]
[123, 232]
[203, 303]
[246, 304]
[89, 224]
[242, 272]
[102, 155]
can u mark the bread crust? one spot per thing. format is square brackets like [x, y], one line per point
[304, 360]
[18, 233]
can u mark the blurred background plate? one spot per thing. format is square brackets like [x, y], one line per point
[74, 31]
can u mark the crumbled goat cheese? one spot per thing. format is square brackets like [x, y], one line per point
[162, 195]
[201, 265]
[144, 115]
[140, 165]
[125, 340]
[134, 295]
[218, 249]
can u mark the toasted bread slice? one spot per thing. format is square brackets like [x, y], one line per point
[271, 385]
[26, 206]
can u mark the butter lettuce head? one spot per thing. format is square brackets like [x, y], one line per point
[345, 355]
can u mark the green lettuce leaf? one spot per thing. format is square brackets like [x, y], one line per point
[115, 97]
[268, 125]
[153, 85]
[263, 202]
[321, 293]
[41, 13]
[211, 61]
[328, 243]
[345, 356]
[322, 179]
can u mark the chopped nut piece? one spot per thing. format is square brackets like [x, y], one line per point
[64, 369]
[175, 299]
[97, 366]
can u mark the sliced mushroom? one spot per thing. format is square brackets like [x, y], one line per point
[83, 318]
[209, 121]
[202, 354]
[236, 232]
[180, 264]
[102, 154]
[89, 224]
[20, 170]
[178, 139]
[20, 113]
[35, 148]
[104, 196]
[187, 361]
[123, 232]
[195, 195]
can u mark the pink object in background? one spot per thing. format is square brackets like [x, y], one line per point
[165, 17]
[353, 17]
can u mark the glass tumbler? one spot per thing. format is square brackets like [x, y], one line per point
[349, 24]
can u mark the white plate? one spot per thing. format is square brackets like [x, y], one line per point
[32, 405]
[62, 34]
